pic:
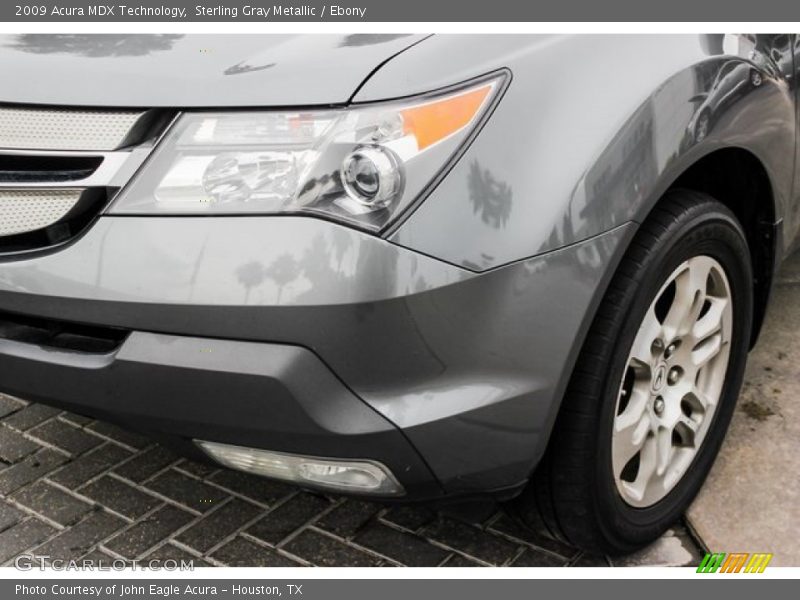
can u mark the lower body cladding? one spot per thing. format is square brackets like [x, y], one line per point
[351, 363]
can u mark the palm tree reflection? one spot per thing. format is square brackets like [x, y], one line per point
[283, 271]
[490, 198]
[250, 275]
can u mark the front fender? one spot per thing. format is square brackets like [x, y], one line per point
[590, 133]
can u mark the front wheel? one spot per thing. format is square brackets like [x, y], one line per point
[655, 384]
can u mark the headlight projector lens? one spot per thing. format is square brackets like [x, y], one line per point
[371, 176]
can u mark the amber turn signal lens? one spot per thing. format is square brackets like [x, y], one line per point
[433, 122]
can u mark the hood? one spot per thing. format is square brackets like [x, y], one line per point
[190, 70]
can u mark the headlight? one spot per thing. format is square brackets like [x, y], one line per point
[362, 165]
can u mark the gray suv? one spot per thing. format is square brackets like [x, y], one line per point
[401, 266]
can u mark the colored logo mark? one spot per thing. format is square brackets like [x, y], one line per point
[735, 562]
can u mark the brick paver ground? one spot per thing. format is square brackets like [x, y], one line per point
[74, 488]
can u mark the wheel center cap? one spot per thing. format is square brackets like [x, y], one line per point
[659, 378]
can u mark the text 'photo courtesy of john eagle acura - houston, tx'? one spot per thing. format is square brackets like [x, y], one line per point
[404, 267]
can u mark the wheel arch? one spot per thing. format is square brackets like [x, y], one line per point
[737, 178]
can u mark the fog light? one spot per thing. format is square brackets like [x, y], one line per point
[357, 476]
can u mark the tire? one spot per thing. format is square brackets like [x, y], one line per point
[574, 492]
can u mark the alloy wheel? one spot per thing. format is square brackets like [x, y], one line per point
[673, 380]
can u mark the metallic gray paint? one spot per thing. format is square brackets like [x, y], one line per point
[227, 261]
[590, 133]
[176, 70]
[462, 326]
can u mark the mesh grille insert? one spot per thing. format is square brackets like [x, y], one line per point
[22, 211]
[55, 129]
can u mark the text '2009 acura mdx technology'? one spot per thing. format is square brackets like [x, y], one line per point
[404, 267]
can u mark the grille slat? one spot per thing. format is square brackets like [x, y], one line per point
[33, 168]
[57, 129]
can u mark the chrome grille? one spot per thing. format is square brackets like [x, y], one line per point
[27, 210]
[61, 129]
[59, 167]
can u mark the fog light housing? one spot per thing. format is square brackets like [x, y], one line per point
[341, 475]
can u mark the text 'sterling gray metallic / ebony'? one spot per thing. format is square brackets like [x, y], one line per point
[405, 267]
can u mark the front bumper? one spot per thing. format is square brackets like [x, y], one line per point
[301, 336]
[244, 393]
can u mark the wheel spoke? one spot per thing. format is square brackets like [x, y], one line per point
[637, 405]
[706, 350]
[628, 441]
[687, 429]
[705, 401]
[649, 331]
[690, 295]
[664, 449]
[647, 468]
[711, 322]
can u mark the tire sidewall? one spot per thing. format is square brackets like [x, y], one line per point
[708, 229]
